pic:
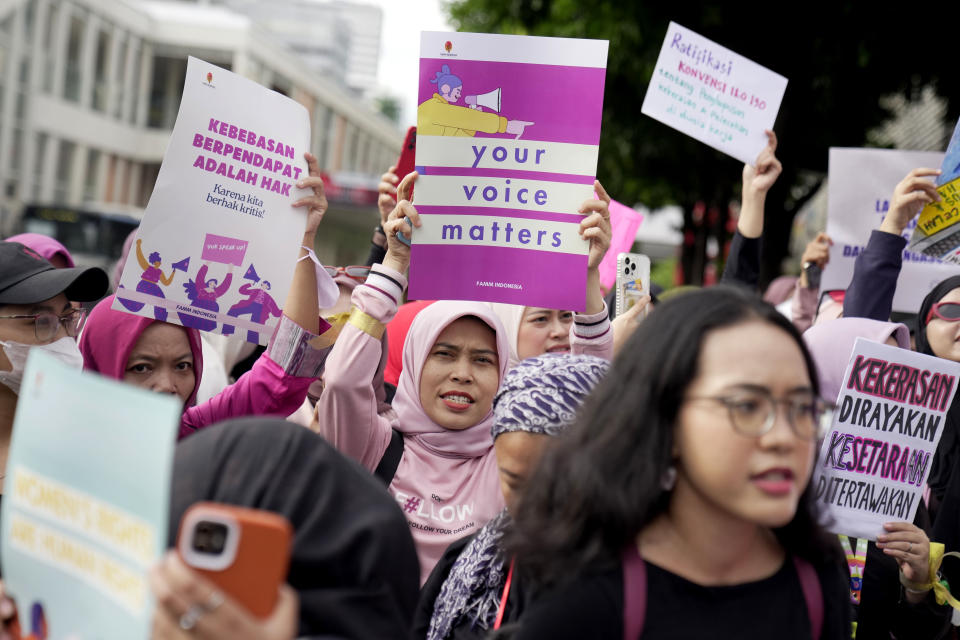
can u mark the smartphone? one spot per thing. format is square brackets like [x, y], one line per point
[406, 163]
[245, 552]
[813, 274]
[633, 279]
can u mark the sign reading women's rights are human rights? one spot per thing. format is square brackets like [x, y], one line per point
[712, 94]
[508, 132]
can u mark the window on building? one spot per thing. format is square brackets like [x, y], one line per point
[166, 91]
[61, 182]
[135, 87]
[93, 174]
[71, 84]
[101, 79]
[119, 80]
[16, 149]
[49, 46]
[39, 158]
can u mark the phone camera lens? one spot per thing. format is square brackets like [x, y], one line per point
[209, 537]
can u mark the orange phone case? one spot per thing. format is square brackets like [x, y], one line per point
[260, 553]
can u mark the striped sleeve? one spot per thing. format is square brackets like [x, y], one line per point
[592, 326]
[387, 283]
[292, 347]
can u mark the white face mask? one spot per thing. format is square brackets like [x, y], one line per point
[65, 350]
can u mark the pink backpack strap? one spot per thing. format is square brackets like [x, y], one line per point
[812, 595]
[634, 592]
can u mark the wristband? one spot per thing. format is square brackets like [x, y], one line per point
[366, 323]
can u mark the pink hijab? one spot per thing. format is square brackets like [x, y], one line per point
[831, 344]
[109, 336]
[412, 420]
[511, 315]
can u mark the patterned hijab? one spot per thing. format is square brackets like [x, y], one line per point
[540, 395]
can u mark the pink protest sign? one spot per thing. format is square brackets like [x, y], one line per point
[224, 250]
[624, 222]
[508, 129]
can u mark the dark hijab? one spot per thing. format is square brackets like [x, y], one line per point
[353, 563]
[948, 450]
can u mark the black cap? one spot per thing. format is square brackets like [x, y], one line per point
[27, 278]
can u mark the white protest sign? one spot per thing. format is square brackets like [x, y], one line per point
[712, 94]
[218, 242]
[875, 460]
[861, 184]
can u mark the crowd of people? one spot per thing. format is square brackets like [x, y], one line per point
[464, 470]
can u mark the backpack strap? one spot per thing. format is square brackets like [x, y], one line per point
[387, 467]
[634, 592]
[812, 595]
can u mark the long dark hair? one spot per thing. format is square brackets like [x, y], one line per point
[600, 484]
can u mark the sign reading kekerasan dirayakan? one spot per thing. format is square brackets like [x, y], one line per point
[875, 459]
[710, 93]
[508, 131]
[218, 242]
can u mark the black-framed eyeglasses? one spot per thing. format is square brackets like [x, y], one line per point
[46, 325]
[753, 412]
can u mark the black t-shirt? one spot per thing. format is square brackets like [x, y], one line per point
[772, 608]
[517, 599]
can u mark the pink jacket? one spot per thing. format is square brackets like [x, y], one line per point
[447, 482]
[276, 385]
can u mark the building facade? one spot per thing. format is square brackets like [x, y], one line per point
[89, 93]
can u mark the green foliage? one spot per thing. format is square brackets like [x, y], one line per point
[388, 106]
[839, 58]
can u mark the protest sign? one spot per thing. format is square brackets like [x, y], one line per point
[860, 186]
[875, 460]
[86, 501]
[221, 208]
[710, 93]
[936, 233]
[624, 223]
[502, 178]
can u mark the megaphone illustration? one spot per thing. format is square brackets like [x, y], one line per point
[183, 265]
[490, 100]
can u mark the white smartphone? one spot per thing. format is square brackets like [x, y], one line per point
[633, 279]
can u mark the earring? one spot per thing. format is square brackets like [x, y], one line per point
[669, 478]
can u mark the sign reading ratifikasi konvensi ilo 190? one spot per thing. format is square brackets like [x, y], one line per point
[876, 457]
[713, 94]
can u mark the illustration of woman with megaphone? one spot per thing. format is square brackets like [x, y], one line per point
[150, 281]
[440, 116]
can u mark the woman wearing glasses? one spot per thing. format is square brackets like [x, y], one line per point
[679, 506]
[35, 313]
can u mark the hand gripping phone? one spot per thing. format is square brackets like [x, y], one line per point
[633, 279]
[244, 552]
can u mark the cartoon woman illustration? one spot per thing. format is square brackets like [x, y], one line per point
[150, 281]
[259, 305]
[203, 294]
[440, 116]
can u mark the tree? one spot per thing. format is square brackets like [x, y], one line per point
[839, 57]
[388, 106]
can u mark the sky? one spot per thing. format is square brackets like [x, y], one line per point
[403, 20]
